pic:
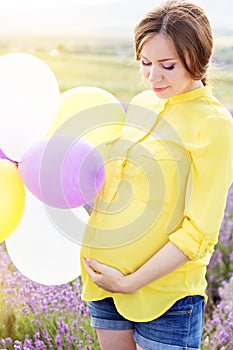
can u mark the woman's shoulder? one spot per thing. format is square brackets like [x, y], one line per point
[206, 111]
[216, 109]
[216, 124]
[217, 117]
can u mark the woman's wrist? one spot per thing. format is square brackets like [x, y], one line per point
[129, 284]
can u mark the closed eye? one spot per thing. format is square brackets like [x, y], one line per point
[145, 63]
[169, 67]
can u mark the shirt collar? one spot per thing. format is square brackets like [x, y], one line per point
[203, 91]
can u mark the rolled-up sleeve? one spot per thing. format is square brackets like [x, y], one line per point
[210, 177]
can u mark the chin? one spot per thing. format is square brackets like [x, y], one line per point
[163, 96]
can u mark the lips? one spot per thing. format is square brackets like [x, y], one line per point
[159, 89]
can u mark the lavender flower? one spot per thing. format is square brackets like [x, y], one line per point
[219, 329]
[221, 263]
[41, 317]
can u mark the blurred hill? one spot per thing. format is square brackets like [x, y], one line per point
[112, 46]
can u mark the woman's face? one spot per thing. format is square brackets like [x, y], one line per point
[163, 69]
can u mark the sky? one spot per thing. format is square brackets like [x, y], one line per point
[95, 17]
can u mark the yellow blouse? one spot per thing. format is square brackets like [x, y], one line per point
[167, 177]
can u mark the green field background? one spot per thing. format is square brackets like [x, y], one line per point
[109, 63]
[121, 75]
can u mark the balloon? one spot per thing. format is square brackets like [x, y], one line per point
[29, 96]
[147, 99]
[12, 198]
[86, 98]
[39, 251]
[63, 172]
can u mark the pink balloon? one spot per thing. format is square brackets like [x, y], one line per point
[63, 172]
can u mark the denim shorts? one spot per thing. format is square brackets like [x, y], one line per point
[180, 328]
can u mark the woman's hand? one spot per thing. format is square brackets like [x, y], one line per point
[107, 277]
[165, 261]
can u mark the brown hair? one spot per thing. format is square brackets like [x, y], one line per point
[187, 25]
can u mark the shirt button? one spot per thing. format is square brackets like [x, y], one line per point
[156, 154]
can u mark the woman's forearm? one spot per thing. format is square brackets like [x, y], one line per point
[165, 261]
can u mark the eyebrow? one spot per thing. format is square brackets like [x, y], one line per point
[162, 60]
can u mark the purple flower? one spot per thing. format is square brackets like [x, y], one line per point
[58, 340]
[219, 328]
[54, 316]
[221, 263]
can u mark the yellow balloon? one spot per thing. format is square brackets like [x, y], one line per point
[147, 99]
[12, 198]
[83, 98]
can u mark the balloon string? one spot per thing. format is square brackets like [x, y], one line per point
[4, 156]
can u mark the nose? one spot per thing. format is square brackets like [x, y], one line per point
[155, 75]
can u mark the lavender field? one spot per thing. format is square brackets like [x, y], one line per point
[33, 316]
[218, 332]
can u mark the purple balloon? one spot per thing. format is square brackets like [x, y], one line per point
[62, 171]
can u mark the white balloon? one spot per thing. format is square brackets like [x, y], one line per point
[39, 251]
[29, 95]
